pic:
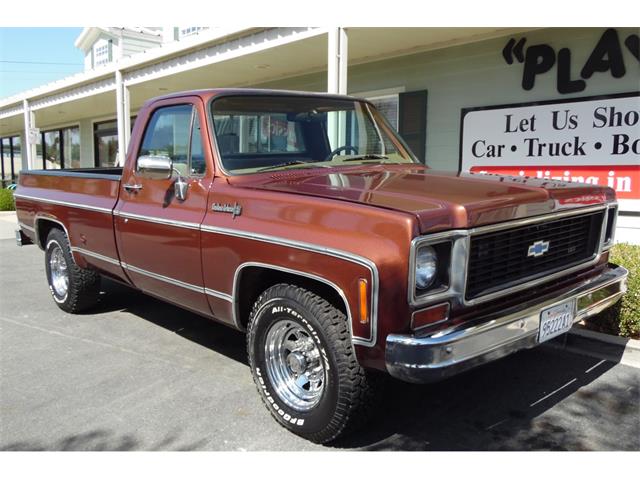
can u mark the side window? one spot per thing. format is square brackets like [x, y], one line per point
[169, 134]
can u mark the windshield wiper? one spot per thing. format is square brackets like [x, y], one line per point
[369, 156]
[283, 164]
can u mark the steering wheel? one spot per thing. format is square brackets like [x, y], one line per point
[346, 148]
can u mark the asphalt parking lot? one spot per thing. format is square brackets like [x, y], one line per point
[138, 374]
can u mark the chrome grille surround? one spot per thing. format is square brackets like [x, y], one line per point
[461, 246]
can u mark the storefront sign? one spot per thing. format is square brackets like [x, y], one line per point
[593, 140]
[607, 56]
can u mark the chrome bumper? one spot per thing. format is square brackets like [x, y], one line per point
[22, 239]
[446, 353]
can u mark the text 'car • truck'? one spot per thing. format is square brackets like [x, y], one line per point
[304, 220]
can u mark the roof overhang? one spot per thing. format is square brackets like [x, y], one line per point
[88, 36]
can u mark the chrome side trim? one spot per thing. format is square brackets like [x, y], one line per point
[365, 262]
[98, 256]
[223, 296]
[162, 278]
[456, 292]
[176, 282]
[24, 226]
[50, 218]
[236, 279]
[161, 221]
[63, 203]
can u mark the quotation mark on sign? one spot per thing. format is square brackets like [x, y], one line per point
[514, 48]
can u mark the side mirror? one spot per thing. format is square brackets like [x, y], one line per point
[155, 167]
[180, 188]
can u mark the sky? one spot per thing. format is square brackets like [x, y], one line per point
[31, 57]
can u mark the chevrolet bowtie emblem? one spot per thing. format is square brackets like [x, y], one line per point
[537, 249]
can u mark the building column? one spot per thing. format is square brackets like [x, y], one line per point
[123, 117]
[31, 137]
[338, 57]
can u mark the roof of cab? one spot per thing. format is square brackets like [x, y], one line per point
[220, 92]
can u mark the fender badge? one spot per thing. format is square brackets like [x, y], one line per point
[235, 209]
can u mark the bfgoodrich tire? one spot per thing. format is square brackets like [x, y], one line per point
[304, 366]
[74, 289]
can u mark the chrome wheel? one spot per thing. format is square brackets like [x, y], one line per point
[59, 271]
[294, 365]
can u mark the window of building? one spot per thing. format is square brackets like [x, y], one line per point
[60, 148]
[388, 106]
[105, 142]
[102, 52]
[52, 150]
[186, 31]
[169, 134]
[10, 159]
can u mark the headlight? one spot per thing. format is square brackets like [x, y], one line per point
[426, 266]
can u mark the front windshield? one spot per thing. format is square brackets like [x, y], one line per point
[270, 133]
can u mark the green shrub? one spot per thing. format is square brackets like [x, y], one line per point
[6, 200]
[624, 317]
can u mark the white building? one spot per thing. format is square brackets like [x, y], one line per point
[451, 93]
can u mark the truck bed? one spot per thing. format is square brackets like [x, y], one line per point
[79, 200]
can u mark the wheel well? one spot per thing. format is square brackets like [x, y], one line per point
[254, 280]
[43, 227]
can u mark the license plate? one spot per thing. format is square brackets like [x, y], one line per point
[556, 320]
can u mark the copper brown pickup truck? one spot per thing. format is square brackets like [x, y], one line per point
[305, 221]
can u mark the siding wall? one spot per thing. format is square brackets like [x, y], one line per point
[131, 46]
[476, 75]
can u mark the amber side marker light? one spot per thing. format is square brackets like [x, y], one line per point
[362, 293]
[430, 316]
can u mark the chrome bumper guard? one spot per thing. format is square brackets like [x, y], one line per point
[22, 239]
[442, 354]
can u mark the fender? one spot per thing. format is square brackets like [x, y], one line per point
[336, 288]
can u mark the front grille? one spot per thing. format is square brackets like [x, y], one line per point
[499, 260]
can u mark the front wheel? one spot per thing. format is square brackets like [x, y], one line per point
[304, 366]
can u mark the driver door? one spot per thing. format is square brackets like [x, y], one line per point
[158, 234]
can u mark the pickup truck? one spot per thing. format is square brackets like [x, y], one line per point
[305, 221]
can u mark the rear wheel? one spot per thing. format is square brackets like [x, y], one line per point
[304, 365]
[74, 289]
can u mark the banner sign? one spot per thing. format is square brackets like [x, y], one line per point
[593, 140]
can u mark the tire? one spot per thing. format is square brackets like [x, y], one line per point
[74, 289]
[297, 338]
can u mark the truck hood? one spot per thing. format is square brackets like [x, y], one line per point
[438, 199]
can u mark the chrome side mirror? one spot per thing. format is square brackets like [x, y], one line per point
[155, 167]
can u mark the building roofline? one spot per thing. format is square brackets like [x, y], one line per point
[124, 64]
[89, 34]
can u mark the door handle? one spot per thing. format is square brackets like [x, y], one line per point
[132, 187]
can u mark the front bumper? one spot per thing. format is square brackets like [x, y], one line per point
[446, 353]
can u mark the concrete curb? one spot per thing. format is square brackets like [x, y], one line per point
[605, 337]
[621, 350]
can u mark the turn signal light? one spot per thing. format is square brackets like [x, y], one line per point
[430, 316]
[364, 304]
